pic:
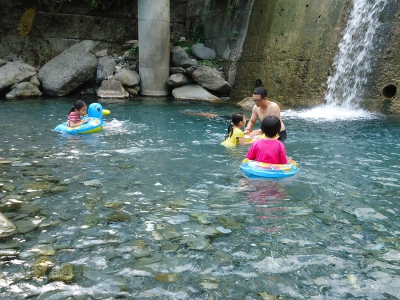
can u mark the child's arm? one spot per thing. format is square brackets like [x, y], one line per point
[251, 154]
[72, 124]
[255, 132]
[243, 142]
[282, 155]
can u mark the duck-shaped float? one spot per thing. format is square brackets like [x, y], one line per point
[95, 114]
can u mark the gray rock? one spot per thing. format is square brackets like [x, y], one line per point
[24, 90]
[179, 58]
[202, 52]
[2, 62]
[102, 53]
[129, 56]
[29, 224]
[105, 68]
[246, 103]
[15, 72]
[178, 80]
[112, 89]
[132, 91]
[127, 78]
[193, 92]
[176, 70]
[189, 71]
[7, 228]
[211, 79]
[69, 70]
[34, 81]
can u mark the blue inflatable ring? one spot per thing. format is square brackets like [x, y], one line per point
[261, 169]
[95, 114]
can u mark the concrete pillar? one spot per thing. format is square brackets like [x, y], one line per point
[154, 46]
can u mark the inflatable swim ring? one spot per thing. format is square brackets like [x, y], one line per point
[261, 169]
[95, 114]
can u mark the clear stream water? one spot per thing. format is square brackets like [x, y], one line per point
[153, 207]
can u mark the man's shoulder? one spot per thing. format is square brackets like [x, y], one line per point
[273, 104]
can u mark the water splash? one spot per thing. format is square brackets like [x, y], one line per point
[354, 59]
[330, 113]
[352, 64]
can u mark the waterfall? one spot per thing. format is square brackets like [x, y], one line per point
[354, 59]
[352, 64]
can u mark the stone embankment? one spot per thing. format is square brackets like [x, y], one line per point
[81, 70]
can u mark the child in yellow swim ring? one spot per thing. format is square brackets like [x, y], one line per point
[235, 135]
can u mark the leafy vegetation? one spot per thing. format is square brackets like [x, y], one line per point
[209, 63]
[135, 52]
[198, 32]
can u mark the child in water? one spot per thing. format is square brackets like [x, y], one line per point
[269, 149]
[76, 113]
[235, 135]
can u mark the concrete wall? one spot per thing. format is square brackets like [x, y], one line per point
[289, 48]
[383, 91]
[57, 28]
[225, 28]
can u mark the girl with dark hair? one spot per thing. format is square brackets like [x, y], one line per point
[76, 113]
[235, 135]
[269, 149]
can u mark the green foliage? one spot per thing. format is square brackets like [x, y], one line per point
[186, 45]
[230, 10]
[198, 32]
[209, 63]
[135, 52]
[234, 35]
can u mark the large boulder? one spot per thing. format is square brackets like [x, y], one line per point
[202, 52]
[69, 70]
[24, 90]
[179, 58]
[193, 92]
[211, 79]
[127, 78]
[112, 89]
[14, 72]
[105, 68]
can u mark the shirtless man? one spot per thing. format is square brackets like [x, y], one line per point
[262, 108]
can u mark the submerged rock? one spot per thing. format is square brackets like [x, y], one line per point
[64, 273]
[7, 228]
[93, 183]
[40, 267]
[27, 225]
[170, 277]
[43, 250]
[201, 217]
[117, 216]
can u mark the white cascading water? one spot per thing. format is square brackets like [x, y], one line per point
[352, 64]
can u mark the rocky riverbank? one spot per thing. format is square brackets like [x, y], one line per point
[84, 69]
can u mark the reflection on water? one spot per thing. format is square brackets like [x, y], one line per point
[154, 207]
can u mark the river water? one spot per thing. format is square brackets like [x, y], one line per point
[153, 207]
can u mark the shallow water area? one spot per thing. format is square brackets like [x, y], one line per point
[153, 207]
